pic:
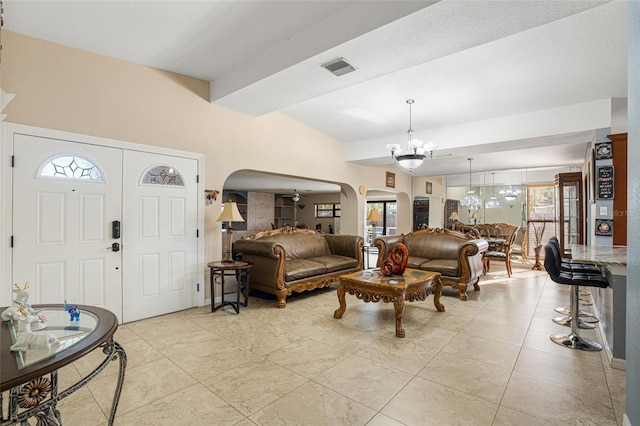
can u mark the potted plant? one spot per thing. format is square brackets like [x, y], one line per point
[538, 232]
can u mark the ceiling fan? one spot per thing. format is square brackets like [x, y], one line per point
[295, 197]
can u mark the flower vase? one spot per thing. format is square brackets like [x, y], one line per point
[537, 266]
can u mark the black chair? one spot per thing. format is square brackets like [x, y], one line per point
[553, 263]
[568, 265]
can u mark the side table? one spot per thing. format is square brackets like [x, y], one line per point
[29, 379]
[242, 272]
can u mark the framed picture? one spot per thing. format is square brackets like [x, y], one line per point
[603, 151]
[604, 227]
[605, 179]
[391, 180]
[429, 189]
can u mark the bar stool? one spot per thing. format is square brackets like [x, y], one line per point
[552, 263]
[566, 265]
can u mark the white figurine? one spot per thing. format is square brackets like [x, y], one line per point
[22, 308]
[26, 320]
[29, 339]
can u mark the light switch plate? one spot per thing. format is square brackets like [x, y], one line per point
[603, 210]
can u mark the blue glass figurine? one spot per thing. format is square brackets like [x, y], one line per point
[74, 312]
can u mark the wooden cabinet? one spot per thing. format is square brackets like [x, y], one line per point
[569, 211]
[619, 149]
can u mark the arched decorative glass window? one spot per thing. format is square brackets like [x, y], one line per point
[162, 175]
[71, 167]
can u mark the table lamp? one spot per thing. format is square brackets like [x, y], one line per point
[454, 218]
[374, 216]
[230, 213]
[474, 216]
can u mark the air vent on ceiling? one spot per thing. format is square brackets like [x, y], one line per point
[339, 67]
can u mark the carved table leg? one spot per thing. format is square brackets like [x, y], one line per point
[343, 303]
[437, 292]
[398, 307]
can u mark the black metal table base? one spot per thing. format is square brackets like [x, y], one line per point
[242, 275]
[46, 412]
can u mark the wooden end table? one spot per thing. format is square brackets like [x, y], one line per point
[373, 286]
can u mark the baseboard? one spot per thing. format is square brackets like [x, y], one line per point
[617, 363]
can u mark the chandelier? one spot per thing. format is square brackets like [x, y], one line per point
[414, 155]
[493, 202]
[510, 194]
[471, 200]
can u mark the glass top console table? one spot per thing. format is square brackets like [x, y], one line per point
[31, 376]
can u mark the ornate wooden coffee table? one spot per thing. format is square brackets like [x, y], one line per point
[371, 286]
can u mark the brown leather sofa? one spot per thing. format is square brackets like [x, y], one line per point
[458, 257]
[289, 259]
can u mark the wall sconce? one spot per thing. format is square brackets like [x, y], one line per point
[211, 195]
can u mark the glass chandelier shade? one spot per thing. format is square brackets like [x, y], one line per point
[493, 202]
[510, 194]
[415, 153]
[471, 200]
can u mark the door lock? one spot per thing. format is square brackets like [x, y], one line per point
[114, 247]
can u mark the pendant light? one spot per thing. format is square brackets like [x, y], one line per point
[414, 155]
[493, 202]
[471, 200]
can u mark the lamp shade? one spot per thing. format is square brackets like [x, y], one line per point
[374, 216]
[230, 213]
[454, 216]
[474, 216]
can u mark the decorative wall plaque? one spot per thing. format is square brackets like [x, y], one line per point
[604, 227]
[603, 151]
[605, 182]
[391, 180]
[429, 188]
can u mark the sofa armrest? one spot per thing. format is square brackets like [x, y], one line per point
[260, 248]
[471, 266]
[346, 245]
[473, 247]
[268, 261]
[385, 245]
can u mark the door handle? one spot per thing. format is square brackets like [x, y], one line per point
[114, 247]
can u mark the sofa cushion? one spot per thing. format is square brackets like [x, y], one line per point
[297, 269]
[336, 263]
[425, 245]
[415, 261]
[496, 254]
[301, 246]
[447, 267]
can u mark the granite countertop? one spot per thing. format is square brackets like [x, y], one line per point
[603, 255]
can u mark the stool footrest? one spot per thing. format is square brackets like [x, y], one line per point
[566, 321]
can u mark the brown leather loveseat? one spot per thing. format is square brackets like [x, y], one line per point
[289, 259]
[458, 257]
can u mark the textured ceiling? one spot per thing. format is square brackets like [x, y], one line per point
[526, 81]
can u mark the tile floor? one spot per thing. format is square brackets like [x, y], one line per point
[487, 361]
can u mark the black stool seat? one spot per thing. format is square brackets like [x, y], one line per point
[569, 266]
[575, 278]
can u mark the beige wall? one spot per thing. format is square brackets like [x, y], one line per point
[67, 89]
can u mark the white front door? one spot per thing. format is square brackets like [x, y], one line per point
[65, 197]
[160, 250]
